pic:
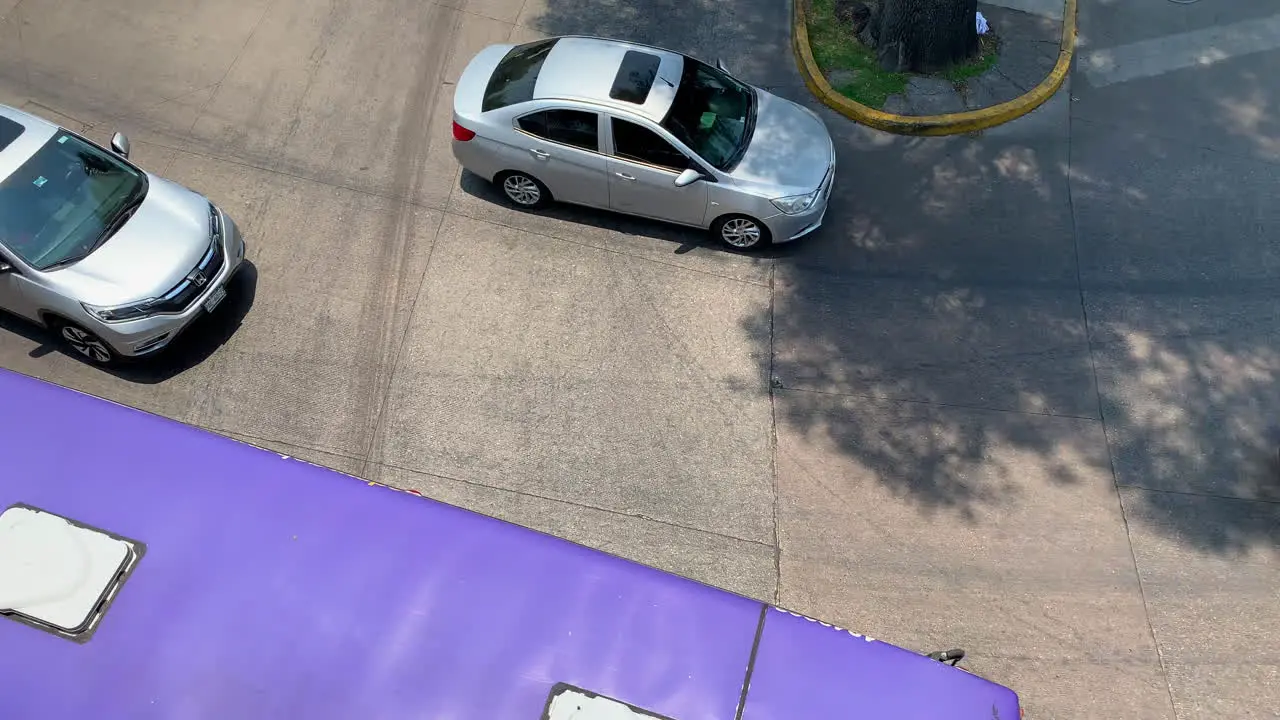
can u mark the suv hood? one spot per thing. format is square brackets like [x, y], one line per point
[151, 253]
[790, 149]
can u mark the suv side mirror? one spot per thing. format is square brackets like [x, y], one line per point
[120, 144]
[688, 177]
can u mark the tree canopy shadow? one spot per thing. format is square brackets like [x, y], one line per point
[992, 310]
[981, 313]
[753, 38]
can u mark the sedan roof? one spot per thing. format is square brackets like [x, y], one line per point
[587, 69]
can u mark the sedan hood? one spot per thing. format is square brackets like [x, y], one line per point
[790, 149]
[151, 253]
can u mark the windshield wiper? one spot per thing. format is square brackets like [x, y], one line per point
[69, 260]
[116, 223]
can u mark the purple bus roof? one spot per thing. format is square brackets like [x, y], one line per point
[274, 588]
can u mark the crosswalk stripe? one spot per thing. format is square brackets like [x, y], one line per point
[1197, 48]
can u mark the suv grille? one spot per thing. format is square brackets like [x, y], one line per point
[195, 283]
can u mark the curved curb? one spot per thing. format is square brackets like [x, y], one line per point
[948, 124]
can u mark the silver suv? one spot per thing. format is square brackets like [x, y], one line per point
[114, 259]
[644, 131]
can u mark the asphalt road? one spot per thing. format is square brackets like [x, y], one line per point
[1019, 395]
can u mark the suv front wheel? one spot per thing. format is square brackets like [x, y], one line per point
[84, 343]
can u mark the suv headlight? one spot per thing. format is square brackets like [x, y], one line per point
[215, 224]
[120, 313]
[796, 204]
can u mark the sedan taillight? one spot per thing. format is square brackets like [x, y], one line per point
[462, 134]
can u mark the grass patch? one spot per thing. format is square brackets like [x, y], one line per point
[851, 67]
[988, 53]
[853, 64]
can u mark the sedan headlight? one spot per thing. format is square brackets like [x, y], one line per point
[121, 313]
[796, 204]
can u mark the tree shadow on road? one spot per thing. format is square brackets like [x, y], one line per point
[1250, 112]
[952, 330]
[935, 333]
[753, 39]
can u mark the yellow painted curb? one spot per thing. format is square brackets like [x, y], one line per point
[948, 124]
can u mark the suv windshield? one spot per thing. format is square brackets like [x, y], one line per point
[65, 201]
[712, 114]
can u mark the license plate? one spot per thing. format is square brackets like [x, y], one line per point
[215, 298]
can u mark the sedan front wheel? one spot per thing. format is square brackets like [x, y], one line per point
[740, 232]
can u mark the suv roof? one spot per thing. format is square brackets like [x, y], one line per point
[586, 68]
[32, 134]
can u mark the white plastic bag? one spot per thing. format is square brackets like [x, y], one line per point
[982, 25]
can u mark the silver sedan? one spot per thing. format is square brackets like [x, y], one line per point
[643, 131]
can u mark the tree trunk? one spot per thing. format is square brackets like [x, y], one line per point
[923, 35]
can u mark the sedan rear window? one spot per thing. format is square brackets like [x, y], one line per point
[513, 80]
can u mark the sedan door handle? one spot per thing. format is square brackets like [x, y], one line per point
[540, 154]
[625, 176]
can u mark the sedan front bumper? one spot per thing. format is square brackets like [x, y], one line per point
[785, 228]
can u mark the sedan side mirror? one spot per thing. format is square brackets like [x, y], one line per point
[120, 145]
[688, 177]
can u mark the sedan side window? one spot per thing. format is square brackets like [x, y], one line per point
[575, 128]
[639, 143]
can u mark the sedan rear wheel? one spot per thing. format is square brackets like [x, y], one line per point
[524, 190]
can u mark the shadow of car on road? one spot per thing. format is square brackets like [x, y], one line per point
[196, 343]
[682, 237]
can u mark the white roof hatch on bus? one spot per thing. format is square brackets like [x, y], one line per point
[53, 571]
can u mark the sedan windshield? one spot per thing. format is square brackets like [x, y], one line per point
[65, 201]
[712, 113]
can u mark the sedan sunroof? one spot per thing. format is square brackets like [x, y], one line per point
[635, 77]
